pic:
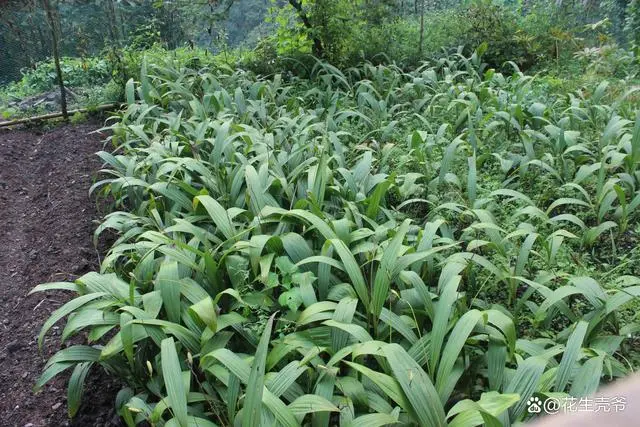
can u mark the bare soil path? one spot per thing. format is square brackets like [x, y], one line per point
[45, 235]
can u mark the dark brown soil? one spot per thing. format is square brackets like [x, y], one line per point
[45, 235]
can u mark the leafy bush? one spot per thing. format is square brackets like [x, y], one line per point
[77, 72]
[608, 60]
[495, 25]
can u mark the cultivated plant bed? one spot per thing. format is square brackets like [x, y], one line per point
[366, 247]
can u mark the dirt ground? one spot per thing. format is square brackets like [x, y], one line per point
[46, 225]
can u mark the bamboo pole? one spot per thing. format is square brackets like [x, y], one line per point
[56, 115]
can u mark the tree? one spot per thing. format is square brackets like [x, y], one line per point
[632, 24]
[318, 48]
[56, 56]
[421, 27]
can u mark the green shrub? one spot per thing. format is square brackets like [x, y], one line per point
[608, 60]
[77, 72]
[496, 25]
[78, 118]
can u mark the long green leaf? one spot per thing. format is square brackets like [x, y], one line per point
[252, 409]
[172, 374]
[571, 352]
[416, 386]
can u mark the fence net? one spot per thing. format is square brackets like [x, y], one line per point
[94, 37]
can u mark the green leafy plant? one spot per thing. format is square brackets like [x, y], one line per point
[273, 267]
